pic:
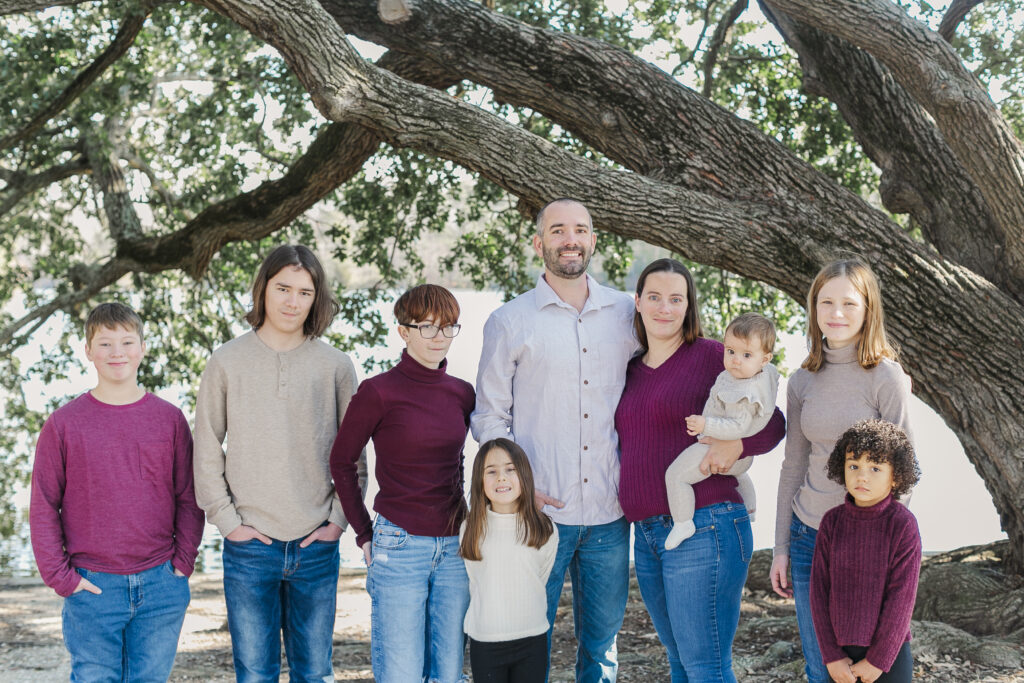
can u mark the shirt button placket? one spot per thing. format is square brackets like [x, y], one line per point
[282, 378]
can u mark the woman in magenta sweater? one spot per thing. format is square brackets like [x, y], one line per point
[417, 416]
[693, 591]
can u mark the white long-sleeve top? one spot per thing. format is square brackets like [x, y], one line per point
[507, 588]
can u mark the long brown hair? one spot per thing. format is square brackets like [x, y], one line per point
[533, 527]
[324, 307]
[691, 321]
[873, 344]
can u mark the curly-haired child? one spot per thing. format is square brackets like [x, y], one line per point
[867, 558]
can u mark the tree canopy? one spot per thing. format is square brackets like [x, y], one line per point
[154, 150]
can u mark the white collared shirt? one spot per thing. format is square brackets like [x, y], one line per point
[550, 378]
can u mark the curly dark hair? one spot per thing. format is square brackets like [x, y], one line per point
[881, 442]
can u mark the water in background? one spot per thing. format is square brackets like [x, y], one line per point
[944, 465]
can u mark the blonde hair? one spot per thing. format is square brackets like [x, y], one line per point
[873, 344]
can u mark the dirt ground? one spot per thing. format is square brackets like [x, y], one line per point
[766, 648]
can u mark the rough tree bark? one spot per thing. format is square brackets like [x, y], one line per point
[710, 186]
[795, 218]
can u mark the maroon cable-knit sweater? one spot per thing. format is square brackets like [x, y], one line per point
[651, 423]
[864, 579]
[418, 418]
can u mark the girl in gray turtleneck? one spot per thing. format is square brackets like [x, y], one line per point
[850, 374]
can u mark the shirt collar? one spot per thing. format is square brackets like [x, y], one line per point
[597, 296]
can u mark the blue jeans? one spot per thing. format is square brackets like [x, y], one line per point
[281, 587]
[801, 554]
[130, 631]
[597, 559]
[693, 591]
[419, 594]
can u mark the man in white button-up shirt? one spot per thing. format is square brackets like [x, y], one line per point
[551, 372]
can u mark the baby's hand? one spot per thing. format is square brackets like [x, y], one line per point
[694, 425]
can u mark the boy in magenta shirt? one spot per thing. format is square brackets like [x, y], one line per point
[114, 521]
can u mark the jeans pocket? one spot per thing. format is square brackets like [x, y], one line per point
[169, 568]
[744, 537]
[389, 536]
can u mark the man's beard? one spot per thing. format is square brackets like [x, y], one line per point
[568, 271]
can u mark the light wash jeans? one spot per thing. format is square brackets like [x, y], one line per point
[270, 589]
[597, 559]
[801, 555]
[130, 631]
[419, 594]
[693, 591]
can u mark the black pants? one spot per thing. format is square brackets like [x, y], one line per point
[512, 661]
[902, 670]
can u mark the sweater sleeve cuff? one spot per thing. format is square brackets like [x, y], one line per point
[183, 564]
[226, 521]
[883, 654]
[364, 537]
[66, 586]
[832, 653]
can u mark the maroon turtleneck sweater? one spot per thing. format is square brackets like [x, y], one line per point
[864, 579]
[418, 418]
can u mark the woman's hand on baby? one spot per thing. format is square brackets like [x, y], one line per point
[721, 455]
[694, 424]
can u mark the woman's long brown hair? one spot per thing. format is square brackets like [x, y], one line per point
[533, 527]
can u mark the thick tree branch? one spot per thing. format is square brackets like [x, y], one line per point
[605, 97]
[717, 41]
[126, 34]
[781, 240]
[918, 167]
[336, 155]
[926, 66]
[26, 6]
[955, 13]
[122, 219]
[20, 185]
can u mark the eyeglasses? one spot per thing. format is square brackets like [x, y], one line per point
[430, 331]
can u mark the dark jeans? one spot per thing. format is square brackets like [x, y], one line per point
[901, 671]
[512, 661]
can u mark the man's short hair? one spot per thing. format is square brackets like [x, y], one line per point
[538, 223]
[111, 315]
